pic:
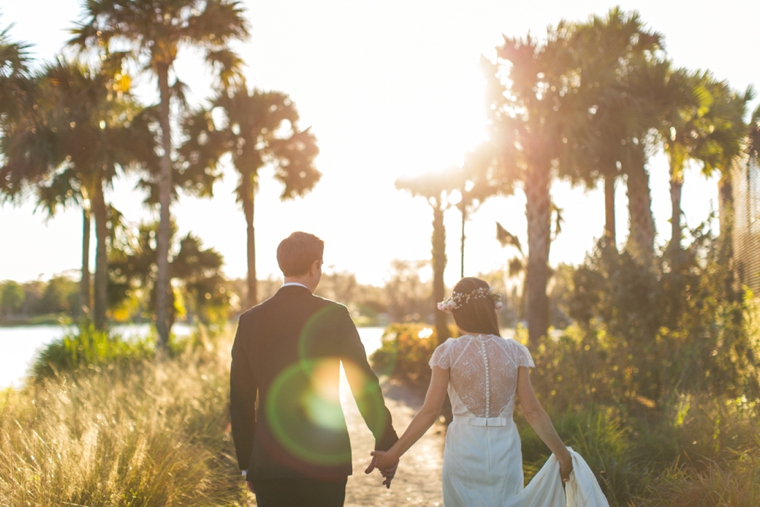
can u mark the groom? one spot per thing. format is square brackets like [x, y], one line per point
[287, 423]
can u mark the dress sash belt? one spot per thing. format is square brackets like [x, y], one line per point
[481, 421]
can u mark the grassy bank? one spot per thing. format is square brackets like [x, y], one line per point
[122, 433]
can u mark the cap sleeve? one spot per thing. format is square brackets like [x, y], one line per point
[522, 355]
[441, 357]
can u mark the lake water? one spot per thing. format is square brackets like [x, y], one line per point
[19, 345]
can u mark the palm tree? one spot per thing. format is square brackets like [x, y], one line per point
[531, 105]
[608, 51]
[753, 147]
[682, 130]
[153, 31]
[15, 75]
[435, 188]
[258, 129]
[88, 129]
[474, 184]
[726, 139]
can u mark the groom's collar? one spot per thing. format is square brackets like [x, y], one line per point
[290, 284]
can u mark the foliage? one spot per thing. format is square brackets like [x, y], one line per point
[258, 129]
[88, 348]
[11, 298]
[201, 289]
[661, 330]
[134, 433]
[14, 74]
[648, 460]
[406, 296]
[405, 352]
[22, 301]
[151, 33]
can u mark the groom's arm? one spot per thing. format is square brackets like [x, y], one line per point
[243, 389]
[365, 385]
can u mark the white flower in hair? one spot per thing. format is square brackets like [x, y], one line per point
[457, 299]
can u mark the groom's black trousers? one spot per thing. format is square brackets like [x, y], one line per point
[300, 492]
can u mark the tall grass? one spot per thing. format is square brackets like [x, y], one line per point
[130, 433]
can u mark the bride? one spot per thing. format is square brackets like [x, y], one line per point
[482, 460]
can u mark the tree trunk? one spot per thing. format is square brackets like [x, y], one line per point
[84, 283]
[641, 237]
[610, 236]
[461, 247]
[163, 282]
[247, 191]
[676, 188]
[538, 210]
[439, 264]
[101, 257]
[726, 210]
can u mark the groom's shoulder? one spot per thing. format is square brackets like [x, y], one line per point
[327, 302]
[274, 305]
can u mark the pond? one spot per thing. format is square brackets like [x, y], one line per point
[20, 344]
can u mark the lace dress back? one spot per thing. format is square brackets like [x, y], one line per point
[483, 373]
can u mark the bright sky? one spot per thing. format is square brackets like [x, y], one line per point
[391, 88]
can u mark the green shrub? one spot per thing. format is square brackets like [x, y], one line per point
[405, 352]
[89, 348]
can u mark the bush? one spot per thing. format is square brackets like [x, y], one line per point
[140, 432]
[405, 352]
[89, 348]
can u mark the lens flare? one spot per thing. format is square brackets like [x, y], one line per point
[304, 412]
[368, 396]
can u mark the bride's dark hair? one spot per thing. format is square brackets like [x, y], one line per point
[478, 315]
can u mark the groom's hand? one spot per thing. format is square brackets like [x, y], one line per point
[385, 464]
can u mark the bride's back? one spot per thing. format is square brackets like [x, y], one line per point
[482, 373]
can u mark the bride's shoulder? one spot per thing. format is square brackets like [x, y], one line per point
[512, 345]
[519, 352]
[446, 343]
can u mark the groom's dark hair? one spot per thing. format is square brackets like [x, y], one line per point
[297, 253]
[478, 315]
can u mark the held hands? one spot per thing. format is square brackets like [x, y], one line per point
[383, 462]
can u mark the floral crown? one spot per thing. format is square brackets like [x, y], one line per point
[457, 299]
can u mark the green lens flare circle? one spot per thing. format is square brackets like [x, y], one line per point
[305, 422]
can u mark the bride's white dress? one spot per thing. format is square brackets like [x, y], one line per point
[482, 460]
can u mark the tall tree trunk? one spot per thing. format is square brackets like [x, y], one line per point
[463, 237]
[610, 235]
[101, 257]
[163, 282]
[676, 188]
[641, 237]
[439, 264]
[726, 210]
[247, 191]
[84, 283]
[538, 209]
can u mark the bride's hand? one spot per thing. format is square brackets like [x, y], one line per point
[565, 467]
[385, 463]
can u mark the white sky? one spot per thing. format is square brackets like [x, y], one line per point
[391, 88]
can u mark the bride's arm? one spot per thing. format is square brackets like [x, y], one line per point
[540, 422]
[425, 418]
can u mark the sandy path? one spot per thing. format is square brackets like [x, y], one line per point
[418, 480]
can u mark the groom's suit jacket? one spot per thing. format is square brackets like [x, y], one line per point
[287, 420]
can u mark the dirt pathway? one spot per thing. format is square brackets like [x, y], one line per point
[418, 480]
